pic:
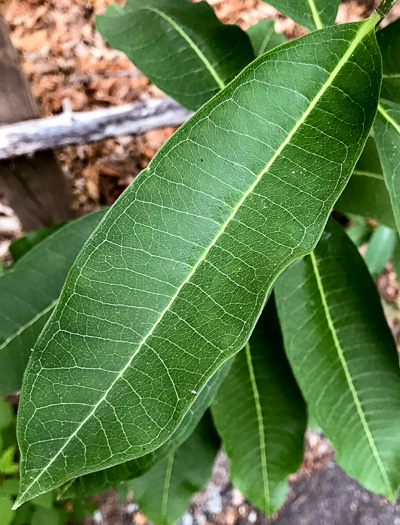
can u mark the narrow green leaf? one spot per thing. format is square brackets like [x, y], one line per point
[111, 477]
[29, 292]
[21, 246]
[182, 47]
[261, 417]
[389, 42]
[387, 137]
[313, 14]
[263, 37]
[344, 358]
[380, 249]
[164, 493]
[173, 281]
[366, 193]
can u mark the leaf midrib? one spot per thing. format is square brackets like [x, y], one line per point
[193, 45]
[261, 432]
[315, 15]
[363, 31]
[166, 487]
[370, 174]
[349, 379]
[267, 38]
[386, 115]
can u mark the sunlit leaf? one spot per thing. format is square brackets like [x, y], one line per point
[380, 249]
[173, 281]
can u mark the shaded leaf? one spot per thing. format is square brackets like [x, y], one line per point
[153, 33]
[7, 463]
[164, 493]
[380, 249]
[21, 246]
[263, 37]
[344, 358]
[29, 292]
[389, 42]
[366, 193]
[111, 477]
[387, 137]
[173, 281]
[360, 231]
[261, 417]
[312, 14]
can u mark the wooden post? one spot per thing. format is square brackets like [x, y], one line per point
[34, 186]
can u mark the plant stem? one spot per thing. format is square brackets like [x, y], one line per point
[384, 7]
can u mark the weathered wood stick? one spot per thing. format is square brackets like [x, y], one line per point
[71, 128]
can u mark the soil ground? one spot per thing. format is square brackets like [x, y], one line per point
[64, 57]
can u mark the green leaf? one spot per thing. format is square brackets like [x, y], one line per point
[344, 358]
[6, 512]
[109, 478]
[380, 249]
[21, 246]
[263, 37]
[261, 417]
[9, 487]
[29, 292]
[396, 259]
[164, 493]
[182, 47]
[7, 416]
[366, 193]
[313, 14]
[52, 516]
[7, 463]
[387, 137]
[173, 281]
[389, 42]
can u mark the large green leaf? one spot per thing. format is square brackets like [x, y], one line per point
[173, 281]
[111, 477]
[22, 245]
[263, 37]
[29, 292]
[387, 137]
[344, 358]
[182, 47]
[164, 493]
[366, 193]
[261, 417]
[313, 14]
[389, 42]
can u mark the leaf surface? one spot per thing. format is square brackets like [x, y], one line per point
[182, 47]
[380, 249]
[263, 37]
[261, 417]
[164, 493]
[344, 358]
[312, 14]
[173, 281]
[389, 43]
[22, 245]
[387, 137]
[366, 194]
[111, 477]
[29, 292]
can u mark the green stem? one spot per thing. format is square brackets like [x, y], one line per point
[384, 7]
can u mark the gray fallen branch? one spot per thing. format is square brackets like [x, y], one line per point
[73, 128]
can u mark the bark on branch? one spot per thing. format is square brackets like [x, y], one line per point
[73, 128]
